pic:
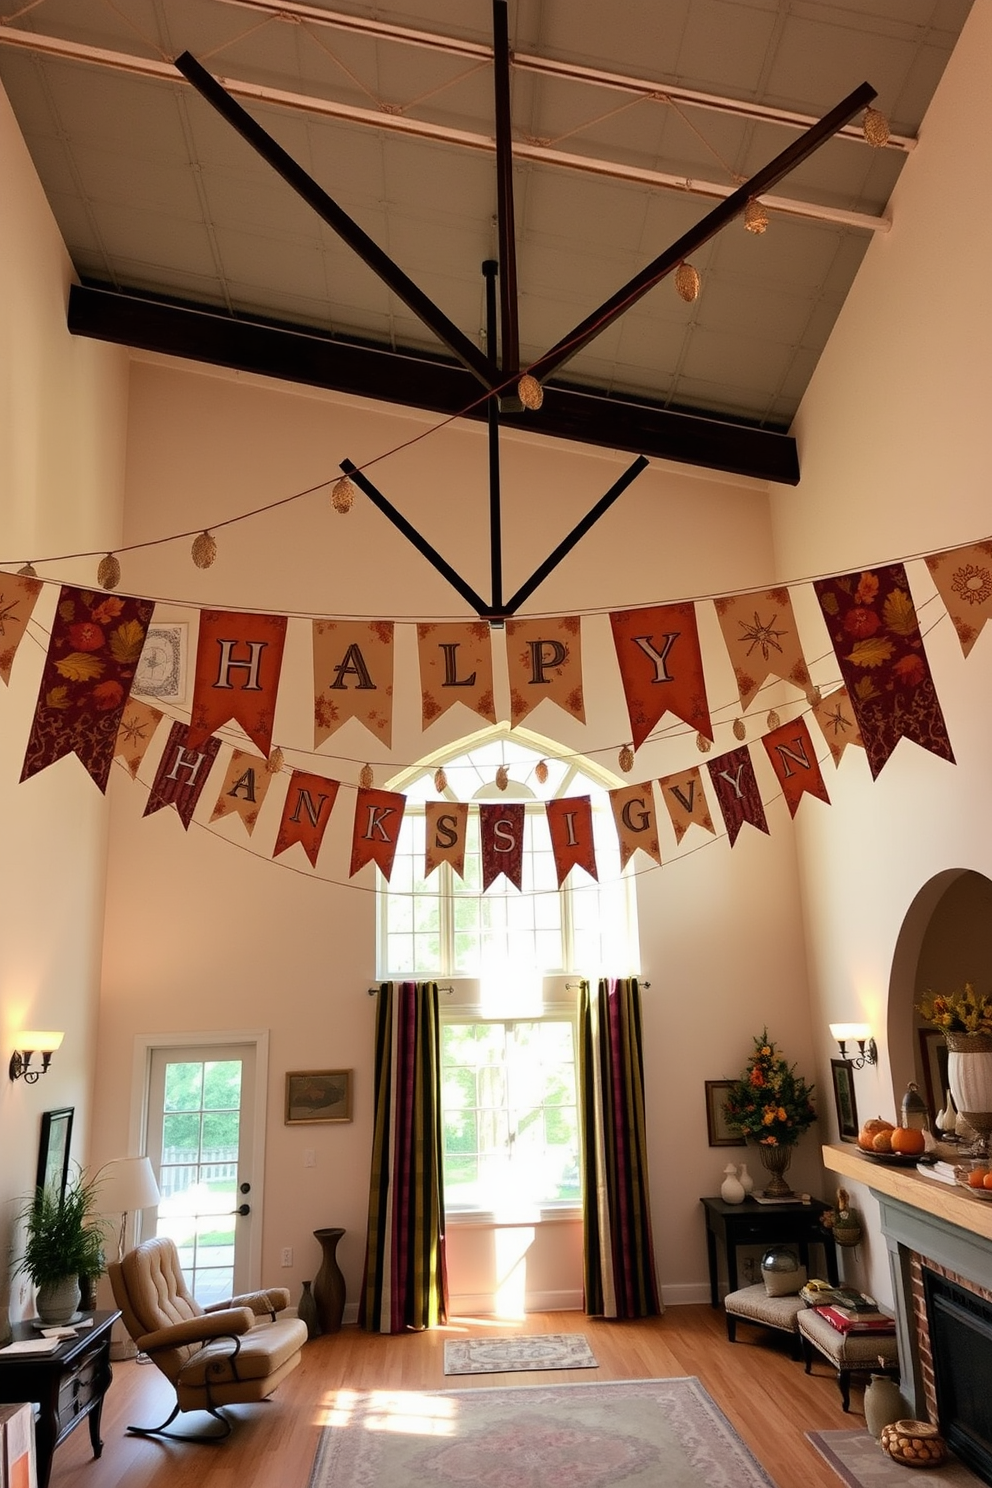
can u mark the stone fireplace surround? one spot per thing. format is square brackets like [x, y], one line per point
[927, 1225]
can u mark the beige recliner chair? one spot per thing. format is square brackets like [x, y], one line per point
[214, 1356]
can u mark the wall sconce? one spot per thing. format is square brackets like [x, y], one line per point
[34, 1042]
[867, 1048]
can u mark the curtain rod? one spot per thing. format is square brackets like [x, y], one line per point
[569, 987]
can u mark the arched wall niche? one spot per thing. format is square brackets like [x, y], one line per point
[945, 941]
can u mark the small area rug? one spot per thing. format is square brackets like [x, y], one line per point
[641, 1433]
[859, 1461]
[526, 1351]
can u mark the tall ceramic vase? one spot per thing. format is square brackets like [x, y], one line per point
[776, 1160]
[969, 1070]
[328, 1284]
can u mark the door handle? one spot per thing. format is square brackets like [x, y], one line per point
[241, 1209]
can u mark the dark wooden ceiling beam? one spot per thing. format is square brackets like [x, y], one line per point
[203, 334]
[506, 227]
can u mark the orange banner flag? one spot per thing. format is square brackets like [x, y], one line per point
[544, 660]
[763, 641]
[570, 823]
[685, 799]
[353, 677]
[378, 818]
[181, 775]
[306, 812]
[964, 582]
[637, 825]
[238, 661]
[137, 727]
[661, 667]
[835, 715]
[246, 784]
[456, 666]
[17, 601]
[793, 758]
[446, 829]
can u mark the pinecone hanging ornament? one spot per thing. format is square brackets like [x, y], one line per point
[366, 778]
[740, 729]
[530, 391]
[108, 575]
[204, 550]
[703, 744]
[541, 772]
[502, 778]
[274, 762]
[687, 282]
[773, 719]
[343, 495]
[625, 759]
[440, 780]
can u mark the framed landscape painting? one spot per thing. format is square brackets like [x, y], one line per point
[318, 1095]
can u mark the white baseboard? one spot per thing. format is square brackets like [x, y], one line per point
[482, 1304]
[685, 1294]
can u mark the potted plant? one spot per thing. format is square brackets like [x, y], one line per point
[772, 1106]
[63, 1240]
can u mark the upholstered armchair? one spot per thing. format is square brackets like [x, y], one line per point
[231, 1353]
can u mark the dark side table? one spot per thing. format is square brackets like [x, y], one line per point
[751, 1223]
[67, 1385]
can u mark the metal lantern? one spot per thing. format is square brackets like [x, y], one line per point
[915, 1112]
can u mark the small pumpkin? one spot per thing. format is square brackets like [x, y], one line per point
[908, 1141]
[870, 1130]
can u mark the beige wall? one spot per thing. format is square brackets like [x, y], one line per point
[62, 424]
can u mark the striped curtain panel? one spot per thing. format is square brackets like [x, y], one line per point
[405, 1283]
[619, 1257]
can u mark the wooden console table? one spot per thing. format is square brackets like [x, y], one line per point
[67, 1385]
[752, 1223]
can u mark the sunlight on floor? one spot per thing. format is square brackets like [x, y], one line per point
[406, 1412]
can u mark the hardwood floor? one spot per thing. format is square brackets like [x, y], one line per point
[759, 1386]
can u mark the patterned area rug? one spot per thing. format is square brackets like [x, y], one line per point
[526, 1351]
[859, 1461]
[641, 1433]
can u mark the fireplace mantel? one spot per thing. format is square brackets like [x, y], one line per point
[941, 1200]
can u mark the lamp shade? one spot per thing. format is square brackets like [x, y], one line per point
[844, 1031]
[36, 1041]
[127, 1184]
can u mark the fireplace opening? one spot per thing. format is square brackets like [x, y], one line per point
[960, 1326]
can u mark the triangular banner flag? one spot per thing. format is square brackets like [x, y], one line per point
[378, 818]
[353, 677]
[685, 798]
[964, 582]
[836, 718]
[762, 640]
[570, 823]
[137, 728]
[305, 813]
[245, 786]
[238, 662]
[17, 600]
[182, 774]
[737, 791]
[501, 841]
[456, 666]
[445, 832]
[637, 825]
[94, 648]
[544, 660]
[661, 667]
[872, 623]
[794, 761]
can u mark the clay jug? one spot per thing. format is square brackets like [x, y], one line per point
[883, 1403]
[731, 1189]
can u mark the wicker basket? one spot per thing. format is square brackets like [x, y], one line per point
[913, 1443]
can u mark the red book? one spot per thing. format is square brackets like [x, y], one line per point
[863, 1322]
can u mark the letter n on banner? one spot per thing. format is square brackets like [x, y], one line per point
[661, 667]
[378, 818]
[570, 822]
[446, 828]
[245, 786]
[501, 839]
[182, 774]
[793, 758]
[637, 825]
[306, 812]
[238, 661]
[737, 791]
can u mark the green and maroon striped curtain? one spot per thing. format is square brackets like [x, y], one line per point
[619, 1256]
[405, 1283]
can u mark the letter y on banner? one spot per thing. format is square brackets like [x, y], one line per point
[737, 791]
[238, 661]
[661, 667]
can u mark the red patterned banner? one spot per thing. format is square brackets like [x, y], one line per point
[872, 623]
[137, 728]
[353, 677]
[661, 667]
[182, 774]
[244, 788]
[445, 832]
[378, 818]
[238, 661]
[637, 825]
[570, 823]
[836, 718]
[685, 798]
[762, 641]
[794, 761]
[544, 660]
[94, 648]
[305, 813]
[501, 840]
[17, 600]
[456, 666]
[964, 582]
[737, 791]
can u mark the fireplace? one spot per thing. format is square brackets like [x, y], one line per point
[959, 1323]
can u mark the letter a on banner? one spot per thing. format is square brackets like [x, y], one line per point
[544, 660]
[378, 818]
[305, 813]
[17, 600]
[182, 774]
[790, 749]
[445, 830]
[661, 667]
[737, 791]
[570, 823]
[637, 825]
[456, 666]
[501, 838]
[245, 786]
[238, 661]
[352, 677]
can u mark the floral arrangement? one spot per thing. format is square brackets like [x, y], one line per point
[770, 1103]
[958, 1012]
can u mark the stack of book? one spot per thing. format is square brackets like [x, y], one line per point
[858, 1314]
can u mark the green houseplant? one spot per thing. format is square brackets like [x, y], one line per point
[63, 1240]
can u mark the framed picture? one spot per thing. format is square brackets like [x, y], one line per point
[317, 1095]
[161, 669]
[53, 1149]
[847, 1111]
[933, 1059]
[717, 1130]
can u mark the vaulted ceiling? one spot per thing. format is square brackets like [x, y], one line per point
[630, 122]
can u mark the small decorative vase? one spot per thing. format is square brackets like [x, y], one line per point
[731, 1189]
[969, 1070]
[746, 1181]
[57, 1301]
[883, 1403]
[306, 1311]
[328, 1284]
[776, 1160]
